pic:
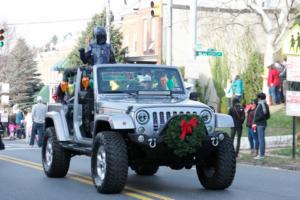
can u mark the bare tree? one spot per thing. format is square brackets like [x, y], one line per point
[283, 14]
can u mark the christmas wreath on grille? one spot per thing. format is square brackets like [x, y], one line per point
[184, 134]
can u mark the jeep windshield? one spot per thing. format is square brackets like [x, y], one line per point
[133, 80]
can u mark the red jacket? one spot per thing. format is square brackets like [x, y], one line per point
[273, 77]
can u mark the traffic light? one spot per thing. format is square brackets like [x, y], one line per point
[1, 37]
[156, 9]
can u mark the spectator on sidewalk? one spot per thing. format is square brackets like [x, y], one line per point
[228, 93]
[282, 76]
[238, 114]
[238, 87]
[252, 136]
[11, 125]
[28, 125]
[261, 115]
[273, 84]
[19, 121]
[39, 111]
[2, 146]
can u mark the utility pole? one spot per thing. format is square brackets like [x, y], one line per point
[169, 32]
[193, 26]
[108, 20]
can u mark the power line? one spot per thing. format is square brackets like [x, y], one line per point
[47, 22]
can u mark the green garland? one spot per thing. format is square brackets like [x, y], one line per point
[191, 142]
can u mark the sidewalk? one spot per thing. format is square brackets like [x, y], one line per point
[271, 160]
[275, 108]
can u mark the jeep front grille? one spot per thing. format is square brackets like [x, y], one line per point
[160, 118]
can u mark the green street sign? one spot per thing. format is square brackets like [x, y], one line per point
[198, 46]
[209, 53]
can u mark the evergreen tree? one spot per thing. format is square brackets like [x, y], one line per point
[252, 77]
[21, 74]
[87, 36]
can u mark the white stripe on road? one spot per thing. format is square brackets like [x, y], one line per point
[26, 148]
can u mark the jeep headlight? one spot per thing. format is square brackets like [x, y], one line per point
[142, 117]
[206, 116]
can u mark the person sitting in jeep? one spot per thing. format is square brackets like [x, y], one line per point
[146, 82]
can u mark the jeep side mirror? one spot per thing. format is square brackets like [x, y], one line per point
[193, 96]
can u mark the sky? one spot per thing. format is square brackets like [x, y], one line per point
[27, 11]
[24, 11]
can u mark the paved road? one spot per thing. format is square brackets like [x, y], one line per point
[21, 177]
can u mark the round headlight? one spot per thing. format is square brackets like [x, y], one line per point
[206, 116]
[142, 117]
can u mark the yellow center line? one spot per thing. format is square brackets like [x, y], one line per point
[20, 163]
[129, 191]
[148, 193]
[135, 195]
[21, 160]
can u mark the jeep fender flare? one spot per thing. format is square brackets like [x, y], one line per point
[116, 122]
[59, 122]
[223, 121]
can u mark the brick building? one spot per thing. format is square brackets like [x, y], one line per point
[142, 35]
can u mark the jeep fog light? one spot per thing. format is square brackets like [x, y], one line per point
[141, 130]
[141, 138]
[221, 137]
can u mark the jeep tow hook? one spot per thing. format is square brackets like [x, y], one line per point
[152, 142]
[216, 139]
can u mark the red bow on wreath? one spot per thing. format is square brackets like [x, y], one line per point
[186, 127]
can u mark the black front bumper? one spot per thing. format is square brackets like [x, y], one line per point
[147, 153]
[209, 142]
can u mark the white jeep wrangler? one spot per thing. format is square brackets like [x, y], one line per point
[120, 121]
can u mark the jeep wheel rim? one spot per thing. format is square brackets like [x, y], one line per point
[101, 164]
[49, 153]
[209, 172]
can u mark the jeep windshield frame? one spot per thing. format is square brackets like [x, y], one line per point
[129, 79]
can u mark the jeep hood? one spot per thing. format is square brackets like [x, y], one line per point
[123, 103]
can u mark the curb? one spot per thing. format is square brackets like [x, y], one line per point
[271, 141]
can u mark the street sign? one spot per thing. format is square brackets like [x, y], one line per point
[293, 103]
[290, 43]
[198, 47]
[4, 99]
[293, 68]
[209, 53]
[4, 117]
[4, 88]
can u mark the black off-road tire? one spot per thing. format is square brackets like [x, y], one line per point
[146, 170]
[60, 157]
[116, 162]
[218, 171]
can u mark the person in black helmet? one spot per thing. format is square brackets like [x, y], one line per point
[98, 52]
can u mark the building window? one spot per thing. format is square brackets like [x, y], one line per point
[134, 42]
[126, 41]
[153, 29]
[145, 35]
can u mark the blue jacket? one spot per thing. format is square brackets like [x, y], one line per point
[238, 87]
[19, 118]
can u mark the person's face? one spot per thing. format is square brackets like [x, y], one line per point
[147, 85]
[163, 81]
[253, 106]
